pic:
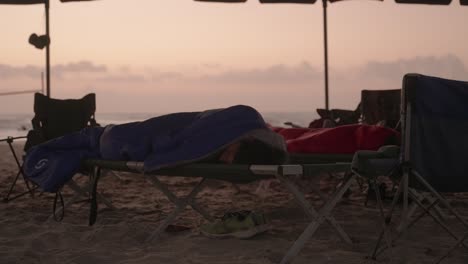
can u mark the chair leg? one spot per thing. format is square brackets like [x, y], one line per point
[426, 210]
[387, 219]
[30, 190]
[10, 191]
[386, 232]
[422, 198]
[442, 200]
[460, 241]
[439, 197]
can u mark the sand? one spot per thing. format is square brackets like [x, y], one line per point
[28, 235]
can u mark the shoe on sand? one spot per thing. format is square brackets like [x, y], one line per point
[242, 225]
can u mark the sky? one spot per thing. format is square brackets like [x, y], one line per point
[180, 55]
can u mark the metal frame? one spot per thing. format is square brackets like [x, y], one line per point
[280, 172]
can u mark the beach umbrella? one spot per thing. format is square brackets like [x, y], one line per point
[325, 31]
[42, 41]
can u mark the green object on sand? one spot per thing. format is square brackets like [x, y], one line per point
[243, 225]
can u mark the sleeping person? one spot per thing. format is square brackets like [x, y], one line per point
[236, 134]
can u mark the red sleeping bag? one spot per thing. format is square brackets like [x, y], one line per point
[345, 139]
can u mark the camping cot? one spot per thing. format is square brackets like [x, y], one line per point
[301, 164]
[238, 173]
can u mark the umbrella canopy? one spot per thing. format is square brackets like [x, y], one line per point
[325, 31]
[21, 2]
[44, 40]
[430, 2]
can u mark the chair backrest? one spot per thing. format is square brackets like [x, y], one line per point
[341, 116]
[57, 117]
[435, 130]
[381, 106]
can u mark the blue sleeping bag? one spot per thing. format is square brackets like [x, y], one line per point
[163, 141]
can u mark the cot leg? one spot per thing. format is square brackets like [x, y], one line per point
[299, 243]
[174, 199]
[180, 204]
[318, 217]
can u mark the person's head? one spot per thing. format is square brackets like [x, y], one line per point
[254, 151]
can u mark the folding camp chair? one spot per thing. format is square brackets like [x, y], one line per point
[53, 118]
[341, 116]
[336, 117]
[434, 124]
[237, 173]
[381, 107]
[376, 107]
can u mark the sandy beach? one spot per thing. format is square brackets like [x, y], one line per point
[27, 236]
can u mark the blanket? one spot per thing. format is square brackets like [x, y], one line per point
[345, 139]
[159, 142]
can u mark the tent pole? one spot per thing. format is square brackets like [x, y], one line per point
[47, 49]
[325, 44]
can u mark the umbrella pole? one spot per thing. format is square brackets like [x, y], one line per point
[47, 49]
[325, 45]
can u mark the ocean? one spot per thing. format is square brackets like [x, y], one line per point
[15, 125]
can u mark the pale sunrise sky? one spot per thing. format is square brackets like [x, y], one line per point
[181, 55]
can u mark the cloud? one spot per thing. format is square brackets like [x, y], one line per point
[287, 87]
[167, 76]
[275, 74]
[448, 66]
[29, 71]
[211, 65]
[77, 67]
[122, 78]
[59, 70]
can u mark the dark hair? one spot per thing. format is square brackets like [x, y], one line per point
[252, 151]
